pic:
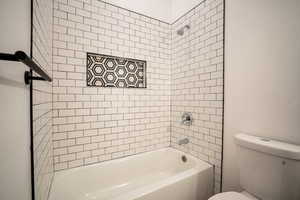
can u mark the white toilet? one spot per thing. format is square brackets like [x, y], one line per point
[269, 170]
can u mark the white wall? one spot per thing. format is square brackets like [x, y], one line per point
[164, 10]
[14, 102]
[262, 71]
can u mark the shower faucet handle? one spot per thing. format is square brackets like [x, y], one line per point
[187, 118]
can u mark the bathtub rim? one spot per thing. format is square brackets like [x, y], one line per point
[200, 164]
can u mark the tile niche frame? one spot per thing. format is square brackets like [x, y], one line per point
[115, 72]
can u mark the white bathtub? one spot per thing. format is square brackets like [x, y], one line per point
[156, 175]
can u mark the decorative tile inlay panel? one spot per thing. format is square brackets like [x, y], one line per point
[111, 71]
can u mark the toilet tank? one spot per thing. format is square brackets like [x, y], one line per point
[269, 169]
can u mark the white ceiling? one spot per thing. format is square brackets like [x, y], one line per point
[164, 10]
[181, 7]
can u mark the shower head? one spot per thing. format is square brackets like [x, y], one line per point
[181, 30]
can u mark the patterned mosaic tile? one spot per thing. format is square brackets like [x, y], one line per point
[111, 71]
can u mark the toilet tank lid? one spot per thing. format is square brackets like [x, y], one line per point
[269, 146]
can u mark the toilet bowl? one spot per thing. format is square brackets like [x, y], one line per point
[233, 196]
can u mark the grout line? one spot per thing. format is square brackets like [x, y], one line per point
[223, 114]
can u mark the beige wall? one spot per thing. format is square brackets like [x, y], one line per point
[14, 102]
[262, 71]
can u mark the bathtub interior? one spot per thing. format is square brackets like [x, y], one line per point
[108, 180]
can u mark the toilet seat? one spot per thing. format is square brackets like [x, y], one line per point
[230, 196]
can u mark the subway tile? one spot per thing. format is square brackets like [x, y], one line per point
[118, 122]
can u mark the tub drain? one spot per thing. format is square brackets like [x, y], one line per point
[183, 158]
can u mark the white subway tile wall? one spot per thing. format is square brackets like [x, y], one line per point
[42, 98]
[184, 73]
[197, 83]
[91, 124]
